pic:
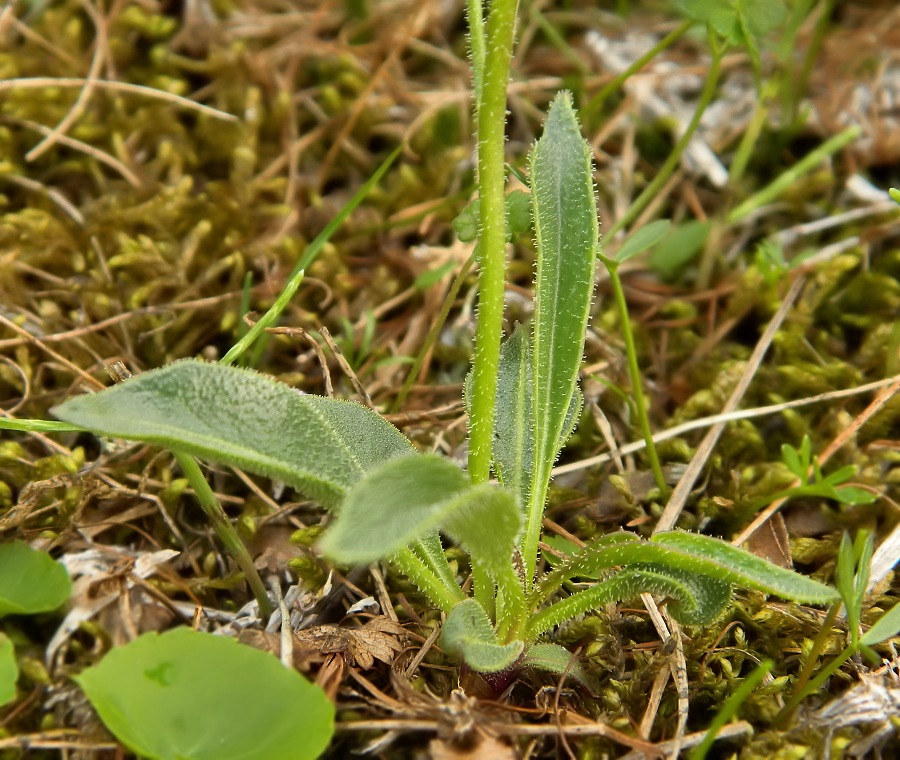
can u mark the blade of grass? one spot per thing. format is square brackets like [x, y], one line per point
[309, 255]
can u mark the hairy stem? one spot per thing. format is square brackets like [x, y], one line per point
[491, 117]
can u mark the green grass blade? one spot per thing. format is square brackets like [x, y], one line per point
[731, 706]
[320, 446]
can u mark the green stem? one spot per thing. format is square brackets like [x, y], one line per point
[224, 529]
[652, 190]
[476, 46]
[635, 372]
[597, 101]
[491, 117]
[425, 580]
[781, 183]
[813, 657]
[813, 685]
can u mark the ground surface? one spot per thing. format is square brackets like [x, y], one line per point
[141, 223]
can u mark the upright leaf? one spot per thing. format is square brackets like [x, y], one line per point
[320, 446]
[513, 449]
[566, 231]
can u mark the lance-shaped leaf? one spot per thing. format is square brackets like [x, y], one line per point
[468, 633]
[410, 497]
[697, 599]
[513, 450]
[318, 445]
[566, 232]
[729, 563]
[695, 555]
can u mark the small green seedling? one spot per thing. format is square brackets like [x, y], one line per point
[195, 696]
[852, 575]
[813, 482]
[391, 502]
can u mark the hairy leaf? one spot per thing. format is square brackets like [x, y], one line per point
[468, 633]
[318, 445]
[698, 600]
[410, 497]
[566, 232]
[558, 660]
[513, 449]
[729, 563]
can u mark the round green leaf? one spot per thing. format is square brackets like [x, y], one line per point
[9, 671]
[31, 581]
[184, 695]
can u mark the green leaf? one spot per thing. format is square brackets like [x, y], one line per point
[465, 225]
[697, 599]
[854, 496]
[558, 660]
[566, 232]
[738, 21]
[392, 506]
[517, 205]
[9, 671]
[566, 229]
[468, 633]
[408, 497]
[895, 194]
[513, 450]
[886, 627]
[31, 581]
[791, 458]
[320, 446]
[679, 248]
[638, 242]
[721, 560]
[184, 695]
[518, 213]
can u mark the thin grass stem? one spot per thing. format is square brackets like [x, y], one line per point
[224, 529]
